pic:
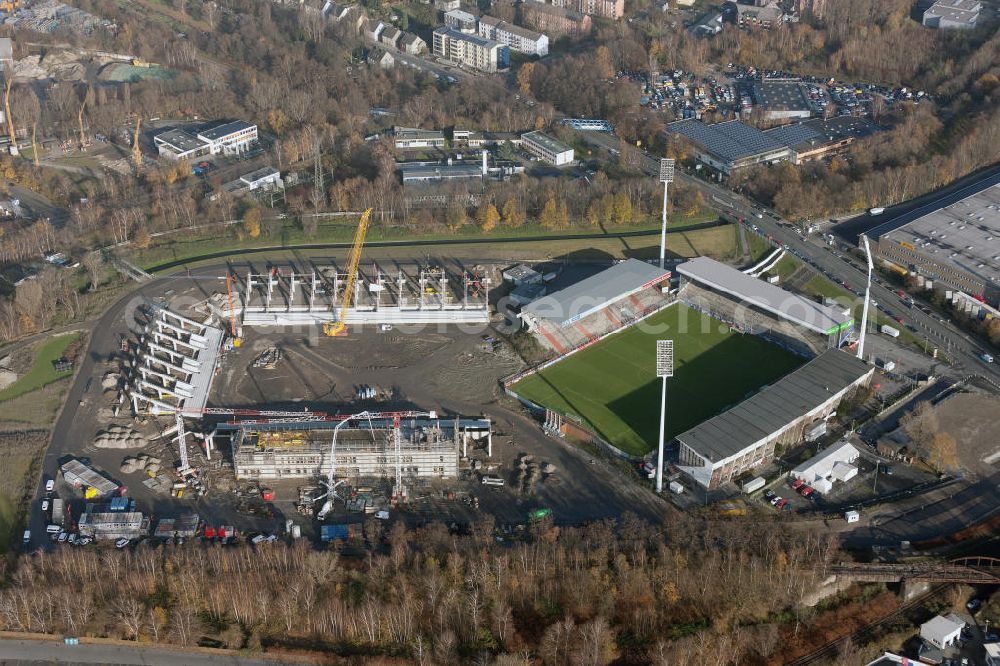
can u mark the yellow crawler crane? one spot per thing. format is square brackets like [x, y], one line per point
[339, 325]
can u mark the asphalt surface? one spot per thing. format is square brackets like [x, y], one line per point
[50, 652]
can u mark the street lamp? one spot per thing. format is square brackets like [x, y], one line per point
[666, 177]
[664, 369]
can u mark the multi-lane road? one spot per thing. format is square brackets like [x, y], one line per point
[961, 348]
[15, 651]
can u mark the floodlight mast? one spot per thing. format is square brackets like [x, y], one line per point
[666, 177]
[868, 298]
[664, 369]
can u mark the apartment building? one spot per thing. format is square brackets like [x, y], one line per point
[555, 20]
[612, 9]
[460, 20]
[517, 38]
[471, 50]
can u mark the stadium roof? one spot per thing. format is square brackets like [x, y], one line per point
[820, 318]
[598, 291]
[776, 406]
[731, 140]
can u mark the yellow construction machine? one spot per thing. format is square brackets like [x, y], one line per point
[339, 325]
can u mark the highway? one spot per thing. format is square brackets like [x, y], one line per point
[52, 652]
[958, 345]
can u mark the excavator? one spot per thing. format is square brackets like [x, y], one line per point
[338, 327]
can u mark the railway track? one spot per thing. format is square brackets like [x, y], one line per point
[828, 653]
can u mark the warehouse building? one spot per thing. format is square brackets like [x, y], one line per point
[812, 139]
[731, 145]
[517, 38]
[547, 148]
[781, 99]
[834, 323]
[744, 437]
[956, 247]
[412, 137]
[226, 139]
[835, 463]
[428, 448]
[471, 50]
[953, 14]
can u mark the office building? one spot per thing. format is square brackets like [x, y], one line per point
[547, 148]
[226, 139]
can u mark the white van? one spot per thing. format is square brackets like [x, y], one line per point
[53, 529]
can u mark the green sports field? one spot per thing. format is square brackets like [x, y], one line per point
[613, 388]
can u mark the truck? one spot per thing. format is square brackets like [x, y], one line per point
[58, 511]
[889, 330]
[753, 485]
[987, 358]
[491, 480]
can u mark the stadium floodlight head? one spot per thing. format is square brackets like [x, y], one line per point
[666, 170]
[664, 358]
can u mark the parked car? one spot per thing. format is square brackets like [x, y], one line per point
[974, 605]
[27, 537]
[769, 495]
[45, 505]
[121, 543]
[50, 485]
[782, 504]
[805, 491]
[797, 483]
[775, 500]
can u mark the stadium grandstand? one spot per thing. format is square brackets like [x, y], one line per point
[832, 323]
[745, 436]
[589, 309]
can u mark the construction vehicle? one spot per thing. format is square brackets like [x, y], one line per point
[139, 62]
[339, 326]
[233, 331]
[268, 358]
[136, 152]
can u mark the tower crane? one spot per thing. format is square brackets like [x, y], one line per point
[136, 152]
[339, 325]
[185, 468]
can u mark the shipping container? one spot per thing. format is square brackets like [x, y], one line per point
[676, 488]
[889, 330]
[852, 516]
[336, 532]
[753, 485]
[58, 511]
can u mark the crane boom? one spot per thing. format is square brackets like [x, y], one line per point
[339, 325]
[182, 443]
[237, 340]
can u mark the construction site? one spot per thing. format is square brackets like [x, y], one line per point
[306, 397]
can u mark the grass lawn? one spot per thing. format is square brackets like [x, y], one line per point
[613, 389]
[19, 456]
[176, 247]
[41, 372]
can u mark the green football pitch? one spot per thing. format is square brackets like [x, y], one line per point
[612, 386]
